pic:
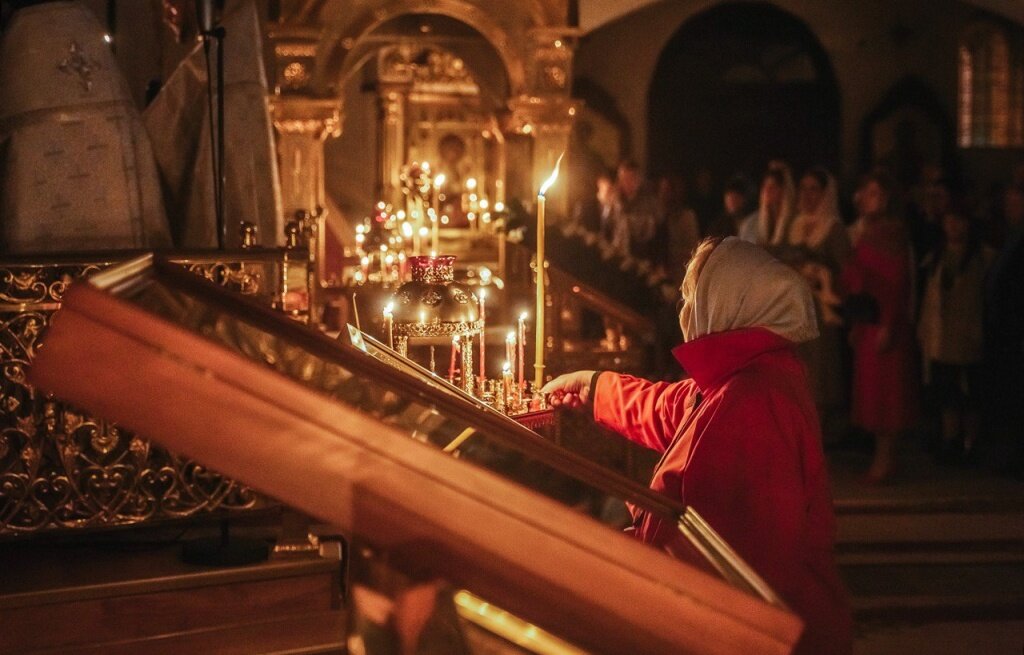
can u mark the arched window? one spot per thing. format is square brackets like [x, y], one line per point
[991, 87]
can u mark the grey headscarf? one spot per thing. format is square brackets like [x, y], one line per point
[741, 286]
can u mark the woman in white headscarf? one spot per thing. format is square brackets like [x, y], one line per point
[740, 438]
[768, 225]
[818, 246]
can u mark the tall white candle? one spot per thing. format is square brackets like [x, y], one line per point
[482, 295]
[538, 363]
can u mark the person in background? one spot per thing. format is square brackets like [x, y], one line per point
[703, 199]
[768, 225]
[734, 209]
[950, 330]
[740, 437]
[592, 213]
[1004, 340]
[883, 398]
[926, 219]
[679, 231]
[634, 213]
[818, 246]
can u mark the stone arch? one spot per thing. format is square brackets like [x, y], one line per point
[739, 84]
[922, 119]
[342, 42]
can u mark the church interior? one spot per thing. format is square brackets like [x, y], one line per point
[372, 326]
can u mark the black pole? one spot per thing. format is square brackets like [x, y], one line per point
[222, 227]
[214, 34]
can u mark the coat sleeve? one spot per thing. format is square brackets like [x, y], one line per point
[645, 412]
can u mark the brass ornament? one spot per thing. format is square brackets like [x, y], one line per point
[61, 468]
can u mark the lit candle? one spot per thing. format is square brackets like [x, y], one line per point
[521, 355]
[538, 359]
[483, 325]
[438, 181]
[506, 384]
[364, 266]
[510, 349]
[389, 324]
[451, 364]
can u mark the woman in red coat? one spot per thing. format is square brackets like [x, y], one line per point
[740, 438]
[883, 352]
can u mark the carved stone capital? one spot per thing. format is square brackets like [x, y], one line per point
[550, 64]
[532, 115]
[298, 115]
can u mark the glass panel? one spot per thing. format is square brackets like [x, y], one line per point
[418, 415]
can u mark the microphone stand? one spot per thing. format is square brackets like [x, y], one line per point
[213, 34]
[222, 550]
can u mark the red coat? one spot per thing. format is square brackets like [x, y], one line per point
[883, 379]
[742, 446]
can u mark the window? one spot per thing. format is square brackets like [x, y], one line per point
[991, 88]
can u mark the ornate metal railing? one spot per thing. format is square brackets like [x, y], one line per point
[63, 468]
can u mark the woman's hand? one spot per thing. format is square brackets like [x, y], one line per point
[569, 390]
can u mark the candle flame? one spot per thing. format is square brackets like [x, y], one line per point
[439, 180]
[522, 317]
[554, 176]
[388, 308]
[511, 338]
[506, 368]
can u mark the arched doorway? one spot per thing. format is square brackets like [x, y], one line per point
[737, 86]
[906, 130]
[413, 84]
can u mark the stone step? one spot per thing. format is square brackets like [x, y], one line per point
[900, 553]
[955, 527]
[935, 591]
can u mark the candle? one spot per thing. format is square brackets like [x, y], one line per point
[510, 349]
[506, 384]
[422, 231]
[438, 181]
[364, 266]
[521, 355]
[451, 364]
[538, 359]
[483, 325]
[389, 324]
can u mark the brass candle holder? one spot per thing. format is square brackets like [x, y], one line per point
[433, 305]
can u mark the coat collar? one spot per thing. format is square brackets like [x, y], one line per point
[713, 357]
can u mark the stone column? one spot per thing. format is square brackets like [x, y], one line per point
[302, 125]
[546, 112]
[391, 144]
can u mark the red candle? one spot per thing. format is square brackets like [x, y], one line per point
[510, 350]
[522, 353]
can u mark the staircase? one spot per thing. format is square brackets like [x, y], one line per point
[939, 547]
